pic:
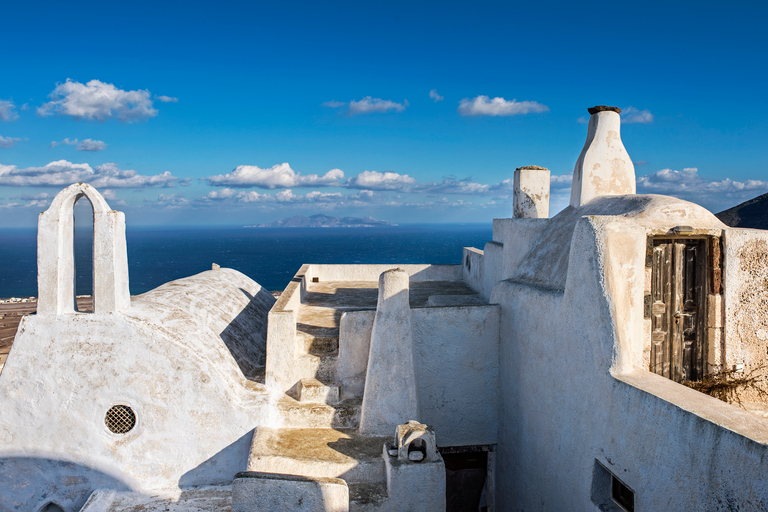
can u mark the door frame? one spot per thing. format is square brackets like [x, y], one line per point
[708, 282]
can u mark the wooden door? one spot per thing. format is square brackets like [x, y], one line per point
[678, 301]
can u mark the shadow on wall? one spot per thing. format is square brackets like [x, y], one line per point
[57, 483]
[221, 467]
[245, 336]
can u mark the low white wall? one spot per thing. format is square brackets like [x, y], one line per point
[354, 344]
[282, 371]
[457, 365]
[457, 353]
[493, 259]
[172, 357]
[372, 272]
[472, 268]
[518, 236]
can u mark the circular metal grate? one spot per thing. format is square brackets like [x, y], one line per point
[120, 419]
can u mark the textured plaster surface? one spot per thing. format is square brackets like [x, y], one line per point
[746, 308]
[415, 486]
[256, 492]
[546, 263]
[574, 394]
[55, 255]
[531, 193]
[457, 354]
[318, 452]
[180, 357]
[198, 499]
[473, 268]
[604, 167]
[391, 394]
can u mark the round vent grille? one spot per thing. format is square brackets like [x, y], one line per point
[120, 419]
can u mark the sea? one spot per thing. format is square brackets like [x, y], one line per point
[269, 256]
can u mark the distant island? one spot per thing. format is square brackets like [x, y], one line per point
[749, 214]
[325, 221]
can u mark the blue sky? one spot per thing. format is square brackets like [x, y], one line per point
[184, 113]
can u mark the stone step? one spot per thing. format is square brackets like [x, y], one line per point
[319, 345]
[367, 497]
[314, 391]
[321, 368]
[319, 453]
[295, 414]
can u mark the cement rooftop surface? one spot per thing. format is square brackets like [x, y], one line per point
[318, 444]
[321, 310]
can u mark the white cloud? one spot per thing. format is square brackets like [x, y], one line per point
[8, 111]
[635, 115]
[688, 185]
[374, 180]
[91, 145]
[224, 193]
[278, 176]
[363, 195]
[84, 145]
[485, 106]
[287, 196]
[370, 105]
[99, 101]
[453, 186]
[170, 201]
[8, 142]
[67, 141]
[433, 94]
[63, 173]
[167, 99]
[560, 180]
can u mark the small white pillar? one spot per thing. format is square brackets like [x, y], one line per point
[390, 396]
[415, 470]
[531, 193]
[604, 167]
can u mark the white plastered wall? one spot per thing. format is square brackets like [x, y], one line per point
[574, 389]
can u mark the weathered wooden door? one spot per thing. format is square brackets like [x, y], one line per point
[678, 302]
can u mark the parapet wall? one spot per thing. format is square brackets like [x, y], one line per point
[372, 272]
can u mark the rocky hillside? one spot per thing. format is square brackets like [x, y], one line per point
[749, 214]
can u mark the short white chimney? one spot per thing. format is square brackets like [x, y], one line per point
[604, 167]
[531, 193]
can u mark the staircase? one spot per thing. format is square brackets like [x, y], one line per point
[317, 429]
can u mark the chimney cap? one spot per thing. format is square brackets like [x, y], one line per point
[603, 108]
[532, 168]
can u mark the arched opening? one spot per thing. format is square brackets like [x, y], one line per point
[83, 250]
[417, 450]
[51, 507]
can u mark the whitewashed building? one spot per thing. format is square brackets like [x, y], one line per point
[543, 373]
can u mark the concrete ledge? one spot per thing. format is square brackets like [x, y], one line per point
[252, 491]
[372, 272]
[720, 414]
[189, 500]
